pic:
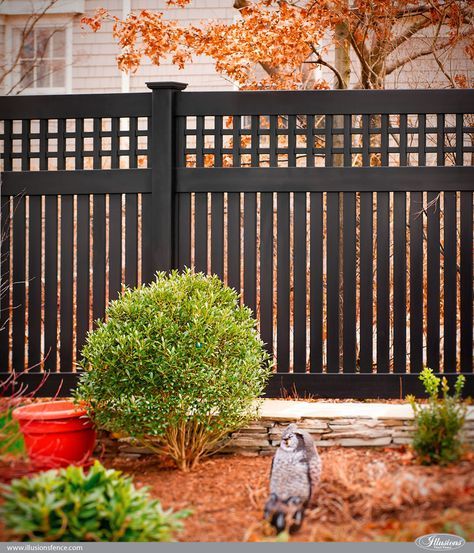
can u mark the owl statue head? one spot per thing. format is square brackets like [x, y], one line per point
[290, 439]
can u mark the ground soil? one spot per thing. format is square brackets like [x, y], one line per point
[366, 494]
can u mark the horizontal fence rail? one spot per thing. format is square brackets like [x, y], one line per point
[343, 218]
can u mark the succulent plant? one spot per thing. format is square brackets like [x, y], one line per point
[73, 505]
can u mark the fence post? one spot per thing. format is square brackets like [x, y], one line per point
[162, 158]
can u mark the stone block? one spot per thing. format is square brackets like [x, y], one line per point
[324, 442]
[363, 434]
[312, 425]
[395, 422]
[355, 442]
[400, 440]
[250, 441]
[342, 421]
[401, 433]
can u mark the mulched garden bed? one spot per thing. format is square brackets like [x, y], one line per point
[365, 495]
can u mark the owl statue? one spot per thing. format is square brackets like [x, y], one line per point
[294, 479]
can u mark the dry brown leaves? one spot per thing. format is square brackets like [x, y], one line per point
[359, 487]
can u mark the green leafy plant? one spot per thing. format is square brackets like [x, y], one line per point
[71, 505]
[177, 365]
[11, 439]
[438, 424]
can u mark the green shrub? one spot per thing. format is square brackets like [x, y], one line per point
[438, 424]
[178, 365]
[69, 505]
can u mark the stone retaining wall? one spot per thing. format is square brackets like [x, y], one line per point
[341, 424]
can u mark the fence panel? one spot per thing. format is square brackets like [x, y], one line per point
[343, 218]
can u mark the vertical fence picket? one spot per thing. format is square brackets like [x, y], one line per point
[399, 283]
[98, 234]
[5, 276]
[131, 215]
[316, 282]
[217, 234]
[299, 282]
[366, 299]
[98, 257]
[131, 239]
[233, 240]
[217, 209]
[34, 261]
[18, 283]
[250, 227]
[34, 283]
[184, 223]
[400, 263]
[349, 282]
[115, 220]
[266, 269]
[250, 253]
[383, 283]
[332, 280]
[83, 253]
[147, 270]
[366, 282]
[449, 264]
[201, 207]
[5, 284]
[115, 245]
[466, 281]
[200, 231]
[19, 259]
[83, 296]
[283, 281]
[433, 280]
[416, 281]
[66, 256]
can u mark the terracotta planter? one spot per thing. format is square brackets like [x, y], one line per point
[56, 433]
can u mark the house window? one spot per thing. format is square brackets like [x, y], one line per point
[42, 58]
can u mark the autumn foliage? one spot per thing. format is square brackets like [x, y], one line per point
[278, 44]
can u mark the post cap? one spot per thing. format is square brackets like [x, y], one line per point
[168, 85]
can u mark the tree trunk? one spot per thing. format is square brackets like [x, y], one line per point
[342, 60]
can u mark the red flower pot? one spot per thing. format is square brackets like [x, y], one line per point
[56, 433]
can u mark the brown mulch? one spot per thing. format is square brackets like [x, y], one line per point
[366, 494]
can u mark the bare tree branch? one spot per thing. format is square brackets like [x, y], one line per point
[26, 32]
[435, 54]
[319, 61]
[424, 52]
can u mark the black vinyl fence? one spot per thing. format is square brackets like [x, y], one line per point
[345, 219]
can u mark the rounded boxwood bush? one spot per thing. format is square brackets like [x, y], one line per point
[178, 364]
[71, 505]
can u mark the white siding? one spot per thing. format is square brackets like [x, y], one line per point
[95, 68]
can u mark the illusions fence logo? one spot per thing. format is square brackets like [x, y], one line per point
[440, 542]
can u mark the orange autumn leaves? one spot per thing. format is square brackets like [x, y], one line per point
[275, 44]
[278, 38]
